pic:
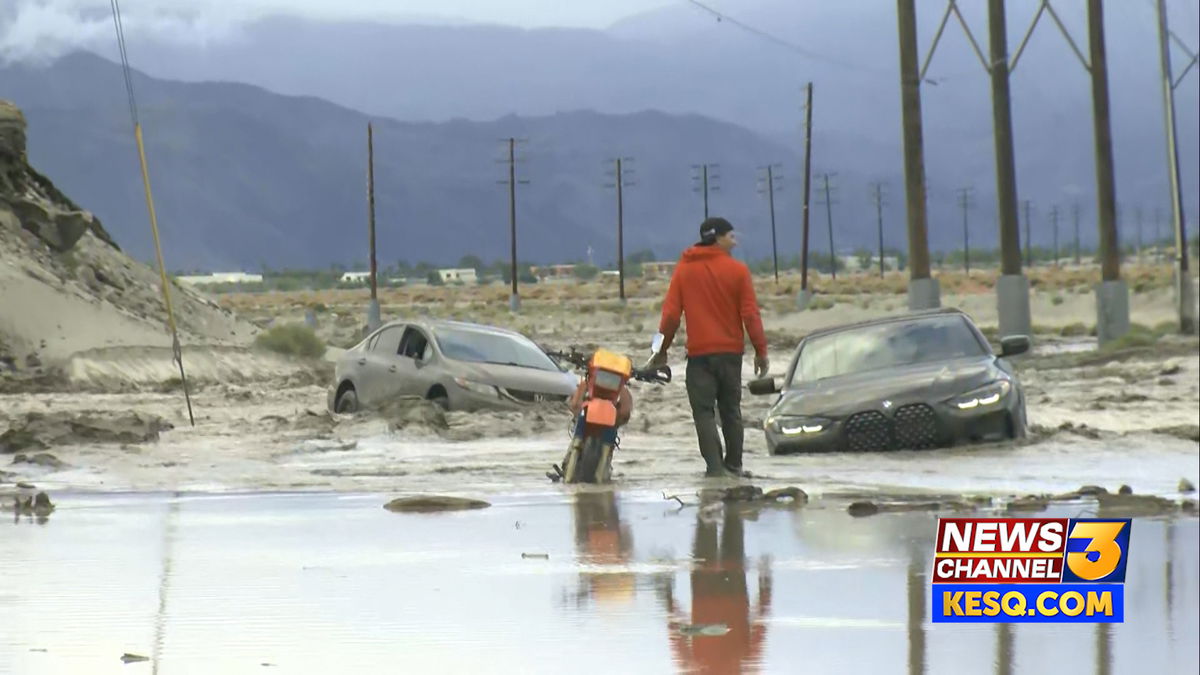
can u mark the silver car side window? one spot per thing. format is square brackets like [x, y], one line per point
[388, 342]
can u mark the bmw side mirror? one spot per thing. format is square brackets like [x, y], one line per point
[763, 386]
[1012, 345]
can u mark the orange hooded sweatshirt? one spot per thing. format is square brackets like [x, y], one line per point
[715, 292]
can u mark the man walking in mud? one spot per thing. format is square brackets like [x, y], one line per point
[716, 294]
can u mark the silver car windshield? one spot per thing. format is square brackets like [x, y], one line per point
[484, 347]
[886, 345]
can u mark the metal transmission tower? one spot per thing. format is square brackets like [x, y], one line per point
[769, 182]
[964, 202]
[514, 301]
[618, 173]
[877, 196]
[923, 290]
[828, 200]
[706, 177]
[1184, 292]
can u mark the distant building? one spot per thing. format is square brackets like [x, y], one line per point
[853, 263]
[355, 277]
[461, 276]
[221, 278]
[658, 270]
[553, 272]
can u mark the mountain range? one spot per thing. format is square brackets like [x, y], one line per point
[270, 170]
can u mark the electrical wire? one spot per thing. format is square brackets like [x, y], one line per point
[780, 42]
[176, 349]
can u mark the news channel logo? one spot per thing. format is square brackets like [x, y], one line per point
[1030, 570]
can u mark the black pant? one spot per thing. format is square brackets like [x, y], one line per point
[715, 381]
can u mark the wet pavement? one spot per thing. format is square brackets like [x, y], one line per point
[588, 581]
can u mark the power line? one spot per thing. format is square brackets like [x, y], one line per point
[780, 42]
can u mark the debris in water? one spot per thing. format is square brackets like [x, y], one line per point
[1125, 490]
[1185, 486]
[1028, 503]
[133, 658]
[535, 556]
[433, 503]
[704, 629]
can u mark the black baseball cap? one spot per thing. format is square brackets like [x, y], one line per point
[712, 228]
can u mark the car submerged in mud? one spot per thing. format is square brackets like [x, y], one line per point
[457, 365]
[916, 381]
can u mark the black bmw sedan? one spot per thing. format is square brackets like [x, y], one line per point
[915, 381]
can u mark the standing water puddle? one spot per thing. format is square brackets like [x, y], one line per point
[589, 582]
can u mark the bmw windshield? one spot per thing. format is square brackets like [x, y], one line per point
[477, 346]
[886, 345]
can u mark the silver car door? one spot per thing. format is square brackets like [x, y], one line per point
[377, 373]
[405, 372]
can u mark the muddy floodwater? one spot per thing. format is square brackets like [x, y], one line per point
[588, 581]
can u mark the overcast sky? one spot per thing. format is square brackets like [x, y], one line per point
[45, 28]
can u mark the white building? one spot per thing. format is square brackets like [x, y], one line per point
[459, 276]
[355, 277]
[221, 278]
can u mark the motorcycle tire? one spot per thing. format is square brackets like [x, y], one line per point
[590, 455]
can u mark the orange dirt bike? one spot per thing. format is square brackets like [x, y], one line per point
[601, 405]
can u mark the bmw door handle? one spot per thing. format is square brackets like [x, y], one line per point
[362, 362]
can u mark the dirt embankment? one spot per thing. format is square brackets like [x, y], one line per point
[65, 285]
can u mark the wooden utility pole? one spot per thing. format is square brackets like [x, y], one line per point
[620, 233]
[371, 209]
[1054, 228]
[877, 193]
[1028, 235]
[770, 192]
[833, 261]
[808, 109]
[1074, 215]
[620, 184]
[914, 156]
[964, 201]
[512, 211]
[1137, 216]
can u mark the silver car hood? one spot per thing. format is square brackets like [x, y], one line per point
[516, 377]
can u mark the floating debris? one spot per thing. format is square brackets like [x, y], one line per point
[535, 556]
[1185, 486]
[433, 503]
[133, 658]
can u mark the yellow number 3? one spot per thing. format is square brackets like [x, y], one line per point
[1104, 543]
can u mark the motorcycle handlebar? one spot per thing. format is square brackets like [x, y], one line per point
[659, 375]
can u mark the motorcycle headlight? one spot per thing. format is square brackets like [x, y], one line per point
[982, 397]
[476, 387]
[792, 425]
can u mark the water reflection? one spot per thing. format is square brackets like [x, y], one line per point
[720, 602]
[916, 589]
[604, 546]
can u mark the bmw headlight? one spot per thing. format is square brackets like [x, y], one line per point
[794, 425]
[982, 397]
[476, 387]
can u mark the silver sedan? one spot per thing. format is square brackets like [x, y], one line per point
[459, 366]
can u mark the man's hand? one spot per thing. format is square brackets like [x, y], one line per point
[657, 361]
[761, 366]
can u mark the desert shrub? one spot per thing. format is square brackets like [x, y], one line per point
[292, 340]
[1073, 330]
